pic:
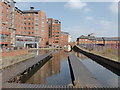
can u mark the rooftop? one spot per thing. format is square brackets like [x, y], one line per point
[99, 38]
[65, 33]
[31, 10]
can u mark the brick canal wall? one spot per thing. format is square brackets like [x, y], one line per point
[6, 62]
[114, 66]
[13, 56]
[13, 52]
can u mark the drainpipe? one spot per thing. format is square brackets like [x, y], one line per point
[103, 41]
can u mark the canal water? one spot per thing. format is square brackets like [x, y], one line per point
[55, 72]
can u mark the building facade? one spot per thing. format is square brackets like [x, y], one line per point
[22, 28]
[35, 30]
[54, 29]
[28, 27]
[7, 30]
[65, 39]
[91, 41]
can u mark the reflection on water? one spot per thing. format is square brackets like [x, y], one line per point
[54, 72]
[106, 77]
[39, 52]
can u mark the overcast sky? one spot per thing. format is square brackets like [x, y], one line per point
[80, 18]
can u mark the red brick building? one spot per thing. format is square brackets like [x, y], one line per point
[6, 27]
[88, 41]
[64, 39]
[35, 29]
[27, 28]
[54, 29]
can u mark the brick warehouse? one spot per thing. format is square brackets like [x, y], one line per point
[87, 41]
[28, 27]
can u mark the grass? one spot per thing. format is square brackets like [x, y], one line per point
[107, 52]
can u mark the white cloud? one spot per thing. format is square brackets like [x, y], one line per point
[87, 10]
[89, 18]
[101, 28]
[75, 4]
[114, 7]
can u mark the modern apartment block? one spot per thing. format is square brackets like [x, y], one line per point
[7, 30]
[22, 28]
[29, 28]
[65, 39]
[34, 31]
[54, 29]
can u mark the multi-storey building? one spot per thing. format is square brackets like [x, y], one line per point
[27, 28]
[35, 25]
[7, 30]
[54, 28]
[22, 28]
[88, 41]
[64, 39]
[84, 40]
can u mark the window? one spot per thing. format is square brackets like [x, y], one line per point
[24, 23]
[1, 6]
[2, 14]
[29, 28]
[36, 33]
[36, 29]
[7, 16]
[28, 18]
[42, 30]
[43, 26]
[7, 9]
[42, 18]
[36, 15]
[36, 20]
[57, 36]
[24, 32]
[24, 18]
[25, 28]
[36, 24]
[28, 14]
[42, 22]
[29, 33]
[42, 34]
[6, 22]
[28, 23]
[2, 27]
[56, 41]
[6, 28]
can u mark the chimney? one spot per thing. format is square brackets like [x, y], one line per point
[31, 8]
